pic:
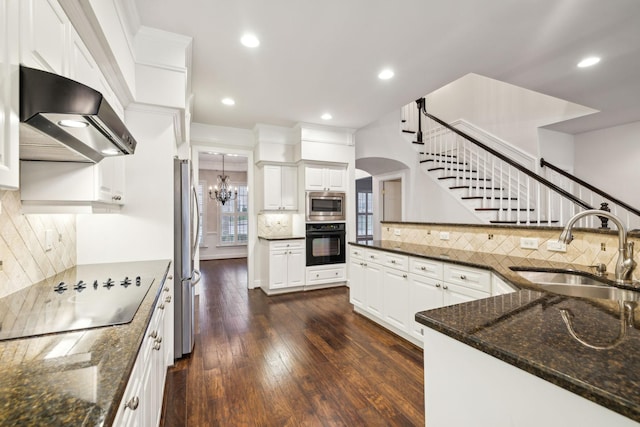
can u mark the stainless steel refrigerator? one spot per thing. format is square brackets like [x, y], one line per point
[186, 225]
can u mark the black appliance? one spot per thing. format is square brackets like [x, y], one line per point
[74, 122]
[325, 243]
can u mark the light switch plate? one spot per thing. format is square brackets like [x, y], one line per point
[396, 231]
[556, 246]
[48, 240]
[444, 235]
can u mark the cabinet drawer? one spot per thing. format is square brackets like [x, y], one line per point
[327, 274]
[400, 262]
[356, 252]
[374, 256]
[286, 244]
[426, 268]
[468, 277]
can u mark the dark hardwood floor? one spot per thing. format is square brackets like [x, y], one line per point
[300, 359]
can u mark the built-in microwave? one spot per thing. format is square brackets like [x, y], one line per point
[325, 206]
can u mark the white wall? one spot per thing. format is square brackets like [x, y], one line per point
[423, 199]
[610, 159]
[509, 112]
[144, 228]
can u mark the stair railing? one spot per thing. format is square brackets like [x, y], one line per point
[593, 195]
[517, 194]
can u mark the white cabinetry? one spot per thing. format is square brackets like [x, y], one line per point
[390, 288]
[44, 30]
[285, 265]
[9, 95]
[72, 187]
[280, 187]
[142, 400]
[325, 178]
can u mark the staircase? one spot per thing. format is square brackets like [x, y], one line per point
[497, 189]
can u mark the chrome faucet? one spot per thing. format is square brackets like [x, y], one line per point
[625, 263]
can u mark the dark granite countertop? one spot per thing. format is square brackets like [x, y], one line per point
[526, 329]
[76, 378]
[271, 238]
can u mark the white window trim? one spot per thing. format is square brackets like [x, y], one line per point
[220, 243]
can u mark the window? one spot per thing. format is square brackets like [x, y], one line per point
[234, 219]
[364, 213]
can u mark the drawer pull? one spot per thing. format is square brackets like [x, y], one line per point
[159, 339]
[423, 268]
[393, 261]
[157, 346]
[437, 285]
[166, 289]
[153, 334]
[168, 298]
[463, 277]
[404, 276]
[161, 306]
[133, 403]
[445, 287]
[336, 273]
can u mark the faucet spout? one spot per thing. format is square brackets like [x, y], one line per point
[625, 263]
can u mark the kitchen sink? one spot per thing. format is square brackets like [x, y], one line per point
[576, 284]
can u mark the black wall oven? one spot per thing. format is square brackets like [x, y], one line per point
[325, 243]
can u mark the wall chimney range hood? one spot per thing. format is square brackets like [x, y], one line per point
[63, 120]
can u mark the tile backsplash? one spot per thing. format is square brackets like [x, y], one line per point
[587, 248]
[275, 225]
[24, 257]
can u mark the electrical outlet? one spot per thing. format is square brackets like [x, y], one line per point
[444, 235]
[529, 242]
[396, 231]
[556, 246]
[48, 240]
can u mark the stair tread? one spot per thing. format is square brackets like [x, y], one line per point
[440, 155]
[449, 162]
[458, 187]
[408, 131]
[417, 142]
[441, 168]
[553, 221]
[488, 198]
[506, 209]
[473, 178]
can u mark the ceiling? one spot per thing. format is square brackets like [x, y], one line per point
[324, 56]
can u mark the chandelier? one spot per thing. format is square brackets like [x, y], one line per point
[222, 192]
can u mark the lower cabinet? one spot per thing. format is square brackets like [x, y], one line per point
[142, 400]
[391, 288]
[284, 265]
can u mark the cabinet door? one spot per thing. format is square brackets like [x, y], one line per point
[289, 188]
[314, 179]
[356, 283]
[424, 294]
[455, 294]
[43, 35]
[272, 187]
[336, 179]
[9, 96]
[277, 269]
[373, 289]
[295, 267]
[396, 297]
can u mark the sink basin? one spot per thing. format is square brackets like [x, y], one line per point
[576, 284]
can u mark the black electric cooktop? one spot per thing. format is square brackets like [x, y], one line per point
[82, 297]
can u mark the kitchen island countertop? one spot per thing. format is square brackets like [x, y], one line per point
[526, 329]
[75, 378]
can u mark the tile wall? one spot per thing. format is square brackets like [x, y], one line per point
[587, 248]
[22, 244]
[275, 225]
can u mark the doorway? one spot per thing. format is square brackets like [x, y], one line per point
[392, 200]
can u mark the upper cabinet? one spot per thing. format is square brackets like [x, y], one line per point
[325, 178]
[72, 187]
[44, 30]
[280, 187]
[9, 96]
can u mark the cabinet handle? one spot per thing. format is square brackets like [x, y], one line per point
[437, 285]
[463, 277]
[159, 340]
[170, 277]
[393, 261]
[336, 273]
[365, 264]
[445, 287]
[168, 298]
[372, 257]
[317, 275]
[166, 289]
[133, 403]
[117, 197]
[404, 276]
[157, 346]
[153, 334]
[161, 306]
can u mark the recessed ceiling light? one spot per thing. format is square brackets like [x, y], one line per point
[249, 40]
[228, 101]
[326, 116]
[385, 74]
[588, 62]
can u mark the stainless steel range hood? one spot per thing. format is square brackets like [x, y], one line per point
[63, 120]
